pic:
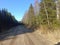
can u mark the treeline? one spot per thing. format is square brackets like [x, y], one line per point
[6, 20]
[44, 13]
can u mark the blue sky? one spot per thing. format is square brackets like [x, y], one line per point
[16, 7]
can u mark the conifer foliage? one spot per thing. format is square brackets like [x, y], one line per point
[6, 20]
[47, 14]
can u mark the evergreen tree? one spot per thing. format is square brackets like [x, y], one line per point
[6, 20]
[31, 16]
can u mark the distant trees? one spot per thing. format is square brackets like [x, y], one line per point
[25, 18]
[6, 20]
[29, 17]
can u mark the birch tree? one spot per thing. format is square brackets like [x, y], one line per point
[57, 8]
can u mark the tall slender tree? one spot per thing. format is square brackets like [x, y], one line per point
[47, 11]
[58, 8]
[36, 7]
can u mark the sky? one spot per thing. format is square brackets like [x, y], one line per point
[16, 7]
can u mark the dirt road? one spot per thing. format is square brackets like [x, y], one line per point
[20, 35]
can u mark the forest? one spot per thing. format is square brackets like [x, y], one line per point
[40, 23]
[7, 20]
[45, 13]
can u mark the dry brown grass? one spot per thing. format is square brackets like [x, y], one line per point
[53, 36]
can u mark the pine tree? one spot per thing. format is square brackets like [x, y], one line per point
[31, 16]
[6, 20]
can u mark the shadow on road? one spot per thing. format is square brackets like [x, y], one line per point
[15, 31]
[58, 43]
